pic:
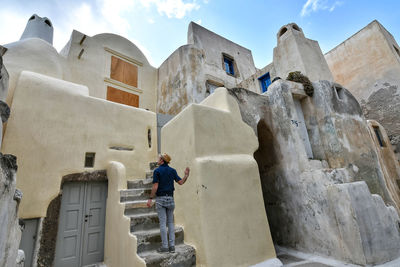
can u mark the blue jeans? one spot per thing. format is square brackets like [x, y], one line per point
[165, 206]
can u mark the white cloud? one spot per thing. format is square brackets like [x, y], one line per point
[198, 21]
[13, 25]
[85, 19]
[93, 17]
[336, 4]
[172, 8]
[316, 5]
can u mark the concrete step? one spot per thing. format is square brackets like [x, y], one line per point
[145, 221]
[138, 207]
[149, 175]
[151, 239]
[316, 164]
[184, 256]
[140, 184]
[134, 194]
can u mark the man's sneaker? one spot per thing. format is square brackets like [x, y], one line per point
[172, 249]
[162, 250]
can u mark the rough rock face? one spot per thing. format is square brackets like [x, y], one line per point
[383, 105]
[317, 205]
[10, 231]
[3, 76]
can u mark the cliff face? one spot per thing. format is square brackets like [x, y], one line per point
[10, 230]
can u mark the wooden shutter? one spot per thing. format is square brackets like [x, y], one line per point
[122, 97]
[124, 72]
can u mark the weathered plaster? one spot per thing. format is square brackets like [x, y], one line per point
[387, 160]
[295, 189]
[294, 52]
[183, 76]
[368, 65]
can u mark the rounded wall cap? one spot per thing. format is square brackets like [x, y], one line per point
[33, 54]
[293, 27]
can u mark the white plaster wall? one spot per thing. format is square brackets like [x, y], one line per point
[53, 123]
[120, 245]
[221, 205]
[95, 65]
[31, 54]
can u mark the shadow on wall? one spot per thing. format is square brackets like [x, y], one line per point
[267, 157]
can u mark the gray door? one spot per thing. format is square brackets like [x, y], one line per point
[28, 240]
[80, 238]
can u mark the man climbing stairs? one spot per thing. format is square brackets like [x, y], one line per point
[145, 226]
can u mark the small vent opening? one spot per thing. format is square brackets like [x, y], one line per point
[379, 136]
[149, 137]
[282, 31]
[89, 159]
[48, 22]
[397, 50]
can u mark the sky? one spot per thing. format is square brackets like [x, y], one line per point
[159, 27]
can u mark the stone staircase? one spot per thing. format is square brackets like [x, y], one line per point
[145, 226]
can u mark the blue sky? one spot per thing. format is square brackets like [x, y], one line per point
[158, 27]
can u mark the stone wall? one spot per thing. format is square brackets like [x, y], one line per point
[300, 194]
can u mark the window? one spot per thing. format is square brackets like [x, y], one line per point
[265, 81]
[379, 136]
[228, 64]
[89, 159]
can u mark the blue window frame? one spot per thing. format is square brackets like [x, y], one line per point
[265, 81]
[228, 62]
